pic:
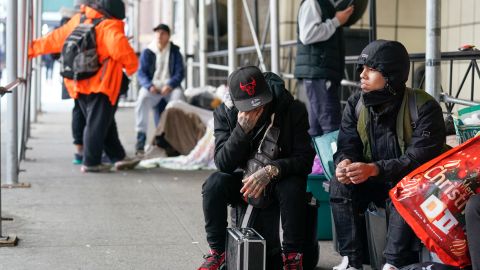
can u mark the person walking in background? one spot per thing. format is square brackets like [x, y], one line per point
[160, 74]
[48, 61]
[320, 61]
[97, 94]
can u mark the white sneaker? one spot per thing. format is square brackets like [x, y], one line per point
[388, 266]
[345, 266]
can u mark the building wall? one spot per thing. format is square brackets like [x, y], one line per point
[153, 12]
[402, 20]
[460, 25]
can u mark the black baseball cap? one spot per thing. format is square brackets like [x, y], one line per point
[163, 27]
[248, 88]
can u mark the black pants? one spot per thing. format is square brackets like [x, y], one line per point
[78, 124]
[100, 131]
[348, 202]
[221, 189]
[472, 218]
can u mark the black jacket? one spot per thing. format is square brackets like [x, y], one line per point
[233, 147]
[428, 138]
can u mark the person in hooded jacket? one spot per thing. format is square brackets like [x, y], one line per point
[374, 152]
[98, 95]
[160, 74]
[239, 129]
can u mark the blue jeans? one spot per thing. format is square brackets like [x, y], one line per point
[349, 203]
[325, 111]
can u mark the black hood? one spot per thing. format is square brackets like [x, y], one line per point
[390, 58]
[281, 97]
[110, 8]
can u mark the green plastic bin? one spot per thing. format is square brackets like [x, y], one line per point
[324, 222]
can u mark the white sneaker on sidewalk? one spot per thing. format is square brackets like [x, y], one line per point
[345, 266]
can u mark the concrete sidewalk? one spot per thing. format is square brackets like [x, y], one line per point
[143, 219]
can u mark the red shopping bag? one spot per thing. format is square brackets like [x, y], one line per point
[432, 200]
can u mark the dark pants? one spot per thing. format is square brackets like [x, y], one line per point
[472, 218]
[325, 111]
[100, 131]
[221, 190]
[158, 110]
[78, 124]
[348, 202]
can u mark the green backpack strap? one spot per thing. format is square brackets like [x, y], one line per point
[415, 98]
[404, 125]
[407, 119]
[361, 113]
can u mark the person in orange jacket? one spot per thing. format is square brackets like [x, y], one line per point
[98, 95]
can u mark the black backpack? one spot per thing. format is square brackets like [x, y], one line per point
[79, 59]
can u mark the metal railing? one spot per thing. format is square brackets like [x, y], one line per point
[9, 240]
[218, 71]
[20, 23]
[450, 61]
[217, 62]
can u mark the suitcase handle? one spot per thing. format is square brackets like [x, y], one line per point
[246, 217]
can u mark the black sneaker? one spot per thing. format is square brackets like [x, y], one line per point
[127, 163]
[96, 168]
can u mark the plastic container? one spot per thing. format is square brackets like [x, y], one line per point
[467, 125]
[324, 219]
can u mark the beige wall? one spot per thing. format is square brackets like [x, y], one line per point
[405, 24]
[460, 25]
[460, 21]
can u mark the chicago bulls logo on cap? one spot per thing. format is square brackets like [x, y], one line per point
[249, 87]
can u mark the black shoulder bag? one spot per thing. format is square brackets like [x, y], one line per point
[267, 152]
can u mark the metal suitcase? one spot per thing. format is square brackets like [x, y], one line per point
[246, 249]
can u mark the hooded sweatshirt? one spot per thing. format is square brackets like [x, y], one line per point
[391, 59]
[233, 146]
